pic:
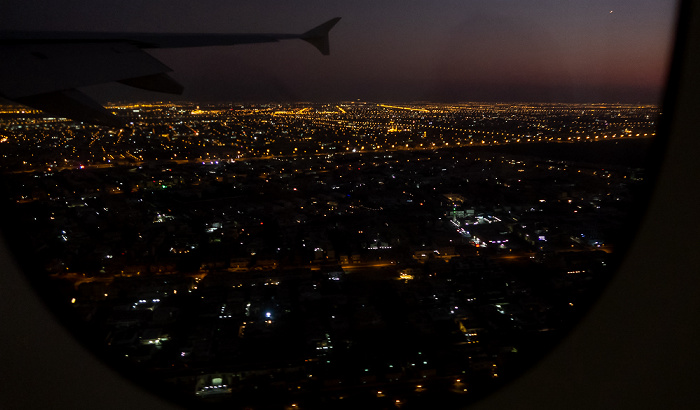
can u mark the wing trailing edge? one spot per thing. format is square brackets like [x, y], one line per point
[157, 82]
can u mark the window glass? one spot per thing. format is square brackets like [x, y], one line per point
[419, 215]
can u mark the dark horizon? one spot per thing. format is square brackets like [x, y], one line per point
[175, 101]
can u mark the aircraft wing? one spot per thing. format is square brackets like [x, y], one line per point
[44, 70]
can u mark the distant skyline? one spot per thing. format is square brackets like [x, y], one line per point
[411, 50]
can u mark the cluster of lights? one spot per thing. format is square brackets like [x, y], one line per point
[376, 247]
[405, 276]
[222, 313]
[143, 302]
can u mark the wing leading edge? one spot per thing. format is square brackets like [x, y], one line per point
[43, 70]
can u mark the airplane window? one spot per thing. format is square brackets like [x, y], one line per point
[415, 203]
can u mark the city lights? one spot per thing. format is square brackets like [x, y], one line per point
[301, 250]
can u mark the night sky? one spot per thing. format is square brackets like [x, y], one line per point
[395, 51]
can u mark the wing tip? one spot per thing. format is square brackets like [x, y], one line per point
[318, 36]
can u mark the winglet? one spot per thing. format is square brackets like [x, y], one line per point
[318, 36]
